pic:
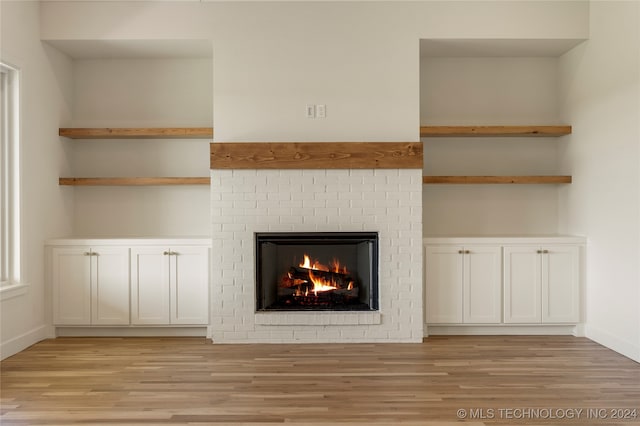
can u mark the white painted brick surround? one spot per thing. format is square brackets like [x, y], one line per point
[387, 201]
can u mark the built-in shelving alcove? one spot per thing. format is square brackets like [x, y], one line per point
[492, 135]
[138, 137]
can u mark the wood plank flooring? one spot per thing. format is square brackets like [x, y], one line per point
[522, 380]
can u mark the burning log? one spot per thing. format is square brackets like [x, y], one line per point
[287, 281]
[337, 279]
[348, 292]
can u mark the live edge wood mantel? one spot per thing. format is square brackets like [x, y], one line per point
[316, 155]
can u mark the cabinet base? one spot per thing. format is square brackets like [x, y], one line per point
[503, 329]
[131, 331]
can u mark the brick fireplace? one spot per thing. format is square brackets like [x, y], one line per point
[356, 187]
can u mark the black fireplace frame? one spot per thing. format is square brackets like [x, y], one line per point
[320, 238]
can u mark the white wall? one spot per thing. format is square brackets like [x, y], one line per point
[46, 209]
[601, 98]
[352, 57]
[166, 92]
[489, 91]
[149, 92]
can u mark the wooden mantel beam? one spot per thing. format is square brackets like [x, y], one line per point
[316, 155]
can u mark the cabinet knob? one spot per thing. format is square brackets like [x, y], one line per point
[87, 253]
[467, 251]
[174, 253]
[460, 251]
[167, 253]
[545, 251]
[539, 251]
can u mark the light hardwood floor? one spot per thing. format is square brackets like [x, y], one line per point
[179, 381]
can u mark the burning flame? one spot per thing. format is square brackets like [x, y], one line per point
[321, 283]
[317, 266]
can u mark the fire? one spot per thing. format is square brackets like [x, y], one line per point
[317, 266]
[335, 267]
[321, 283]
[307, 264]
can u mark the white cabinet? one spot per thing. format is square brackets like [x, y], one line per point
[169, 285]
[522, 285]
[90, 285]
[482, 285]
[189, 285]
[463, 284]
[561, 284]
[443, 280]
[149, 286]
[129, 282]
[71, 279]
[502, 283]
[541, 284]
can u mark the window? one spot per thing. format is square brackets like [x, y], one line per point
[9, 178]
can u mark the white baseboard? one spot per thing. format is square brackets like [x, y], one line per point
[612, 342]
[23, 341]
[501, 330]
[580, 331]
[131, 331]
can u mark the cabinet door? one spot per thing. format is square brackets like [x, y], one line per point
[189, 266]
[149, 286]
[71, 281]
[110, 286]
[482, 285]
[560, 284]
[522, 285]
[443, 278]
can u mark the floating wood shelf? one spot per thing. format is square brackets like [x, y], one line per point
[496, 179]
[138, 133]
[134, 181]
[479, 131]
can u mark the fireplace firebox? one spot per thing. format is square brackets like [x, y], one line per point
[323, 271]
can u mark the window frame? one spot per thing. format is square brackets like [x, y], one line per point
[11, 284]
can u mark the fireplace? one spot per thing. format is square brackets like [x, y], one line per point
[285, 200]
[316, 271]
